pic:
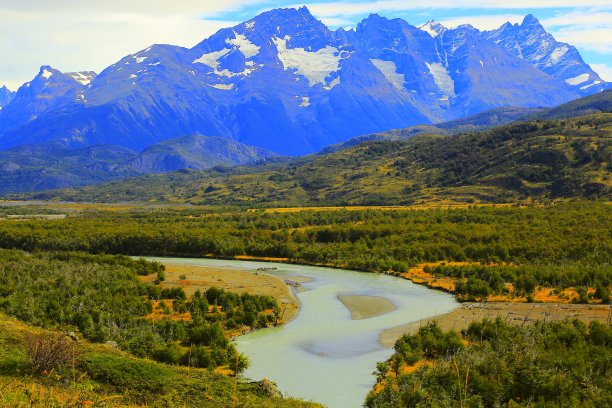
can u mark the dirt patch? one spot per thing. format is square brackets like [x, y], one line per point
[365, 307]
[192, 278]
[516, 313]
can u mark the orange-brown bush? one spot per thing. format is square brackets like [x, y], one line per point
[50, 352]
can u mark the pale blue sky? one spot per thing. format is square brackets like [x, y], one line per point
[91, 34]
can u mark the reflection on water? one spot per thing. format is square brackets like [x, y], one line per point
[324, 355]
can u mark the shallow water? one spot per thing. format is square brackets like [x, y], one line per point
[323, 355]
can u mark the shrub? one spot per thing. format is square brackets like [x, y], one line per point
[50, 352]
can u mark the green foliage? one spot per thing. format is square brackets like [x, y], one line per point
[101, 296]
[429, 342]
[547, 364]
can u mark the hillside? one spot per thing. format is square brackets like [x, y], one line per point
[481, 121]
[53, 165]
[599, 102]
[537, 160]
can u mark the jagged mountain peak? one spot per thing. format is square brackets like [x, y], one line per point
[530, 20]
[47, 71]
[531, 42]
[466, 28]
[433, 27]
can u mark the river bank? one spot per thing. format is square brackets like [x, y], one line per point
[192, 278]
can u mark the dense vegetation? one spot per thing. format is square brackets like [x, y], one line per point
[530, 244]
[102, 297]
[475, 282]
[496, 364]
[529, 160]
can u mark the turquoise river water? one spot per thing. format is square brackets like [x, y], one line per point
[323, 355]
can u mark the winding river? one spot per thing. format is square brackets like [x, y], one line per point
[323, 354]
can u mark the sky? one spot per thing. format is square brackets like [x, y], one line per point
[89, 35]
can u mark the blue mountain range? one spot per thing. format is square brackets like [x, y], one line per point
[285, 82]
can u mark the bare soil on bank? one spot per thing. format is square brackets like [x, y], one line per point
[515, 313]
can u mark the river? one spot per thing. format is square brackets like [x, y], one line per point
[323, 355]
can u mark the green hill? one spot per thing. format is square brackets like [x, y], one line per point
[530, 160]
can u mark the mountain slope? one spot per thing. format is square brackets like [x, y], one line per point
[53, 165]
[539, 160]
[285, 82]
[195, 152]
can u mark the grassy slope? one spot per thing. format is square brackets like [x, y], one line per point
[108, 377]
[540, 160]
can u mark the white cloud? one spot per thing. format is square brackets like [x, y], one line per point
[158, 8]
[90, 35]
[604, 71]
[598, 39]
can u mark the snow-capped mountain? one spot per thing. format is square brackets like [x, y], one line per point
[285, 82]
[532, 43]
[50, 88]
[6, 96]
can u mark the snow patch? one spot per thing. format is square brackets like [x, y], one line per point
[223, 87]
[315, 66]
[557, 54]
[389, 70]
[305, 102]
[482, 64]
[133, 76]
[81, 78]
[580, 79]
[246, 47]
[212, 58]
[250, 25]
[46, 74]
[140, 59]
[442, 78]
